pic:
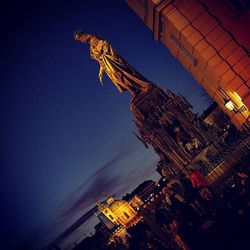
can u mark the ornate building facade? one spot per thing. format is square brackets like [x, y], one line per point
[122, 214]
[119, 212]
[211, 39]
[164, 121]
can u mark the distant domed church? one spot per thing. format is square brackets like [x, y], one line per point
[120, 212]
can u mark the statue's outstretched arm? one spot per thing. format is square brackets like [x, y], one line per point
[123, 76]
[101, 74]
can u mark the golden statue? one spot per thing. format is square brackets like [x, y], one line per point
[122, 74]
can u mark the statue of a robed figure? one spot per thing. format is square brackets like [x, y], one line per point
[160, 116]
[121, 73]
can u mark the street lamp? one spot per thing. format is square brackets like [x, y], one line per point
[229, 104]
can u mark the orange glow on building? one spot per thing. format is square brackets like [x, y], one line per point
[136, 202]
[120, 212]
[211, 39]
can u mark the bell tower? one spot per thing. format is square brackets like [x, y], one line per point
[109, 199]
[107, 212]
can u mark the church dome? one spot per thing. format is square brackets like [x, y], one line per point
[118, 204]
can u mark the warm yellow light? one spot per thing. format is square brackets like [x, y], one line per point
[237, 97]
[242, 109]
[229, 105]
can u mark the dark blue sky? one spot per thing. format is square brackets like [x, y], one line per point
[64, 136]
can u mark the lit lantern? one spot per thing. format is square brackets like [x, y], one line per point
[229, 104]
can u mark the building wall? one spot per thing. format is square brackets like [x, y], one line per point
[211, 40]
[125, 214]
[108, 213]
[105, 220]
[135, 202]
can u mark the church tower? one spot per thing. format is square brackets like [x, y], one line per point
[109, 199]
[120, 212]
[107, 212]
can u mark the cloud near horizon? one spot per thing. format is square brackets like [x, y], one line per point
[103, 180]
[109, 178]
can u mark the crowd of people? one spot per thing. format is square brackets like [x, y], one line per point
[189, 215]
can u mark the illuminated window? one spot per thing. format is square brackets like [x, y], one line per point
[126, 214]
[187, 53]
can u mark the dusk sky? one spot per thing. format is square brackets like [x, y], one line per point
[65, 138]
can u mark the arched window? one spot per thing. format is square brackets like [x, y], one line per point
[126, 214]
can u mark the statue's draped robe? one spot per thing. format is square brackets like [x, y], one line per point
[123, 75]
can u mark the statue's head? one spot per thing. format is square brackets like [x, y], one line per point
[80, 35]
